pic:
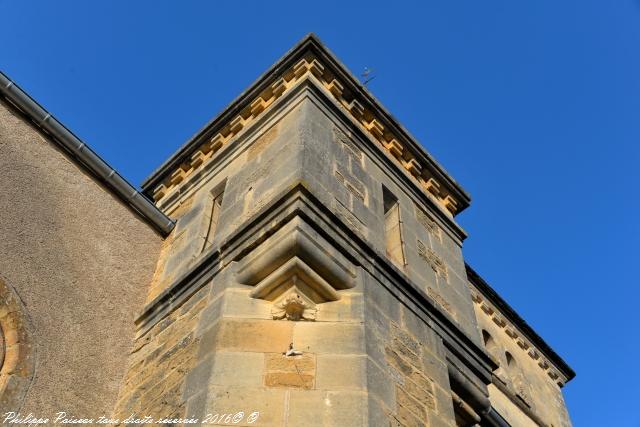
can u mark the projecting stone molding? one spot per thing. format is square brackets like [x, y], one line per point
[364, 114]
[512, 332]
[296, 270]
[294, 305]
[295, 290]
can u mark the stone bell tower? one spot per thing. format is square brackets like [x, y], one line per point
[315, 274]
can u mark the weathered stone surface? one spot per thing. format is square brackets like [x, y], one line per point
[164, 364]
[410, 403]
[278, 362]
[237, 368]
[290, 371]
[268, 403]
[288, 380]
[267, 336]
[329, 337]
[322, 408]
[314, 276]
[341, 372]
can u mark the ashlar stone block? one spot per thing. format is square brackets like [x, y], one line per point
[295, 371]
[337, 372]
[265, 336]
[327, 408]
[329, 337]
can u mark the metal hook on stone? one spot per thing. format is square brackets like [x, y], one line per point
[292, 352]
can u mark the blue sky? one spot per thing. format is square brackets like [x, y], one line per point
[534, 107]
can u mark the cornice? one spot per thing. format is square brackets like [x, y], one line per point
[311, 58]
[311, 89]
[528, 341]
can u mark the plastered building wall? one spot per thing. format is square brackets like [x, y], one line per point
[78, 263]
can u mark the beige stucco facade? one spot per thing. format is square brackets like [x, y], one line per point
[79, 262]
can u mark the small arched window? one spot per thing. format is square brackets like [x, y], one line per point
[492, 348]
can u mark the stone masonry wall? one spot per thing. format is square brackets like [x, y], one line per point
[366, 359]
[357, 355]
[526, 377]
[407, 371]
[149, 387]
[248, 179]
[242, 364]
[159, 363]
[349, 179]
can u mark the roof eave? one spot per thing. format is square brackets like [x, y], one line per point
[80, 152]
[310, 41]
[507, 311]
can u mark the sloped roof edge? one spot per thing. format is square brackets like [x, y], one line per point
[519, 322]
[81, 153]
[309, 43]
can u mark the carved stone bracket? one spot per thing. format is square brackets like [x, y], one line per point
[296, 270]
[294, 305]
[295, 290]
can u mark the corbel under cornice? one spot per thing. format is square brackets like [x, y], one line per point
[311, 58]
[528, 341]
